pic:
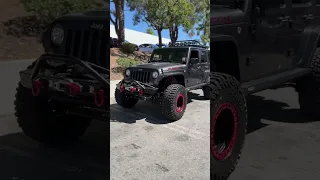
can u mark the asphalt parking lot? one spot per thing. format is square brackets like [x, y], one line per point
[280, 145]
[145, 146]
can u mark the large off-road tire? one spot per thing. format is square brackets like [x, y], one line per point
[308, 89]
[206, 92]
[46, 121]
[123, 100]
[228, 124]
[174, 102]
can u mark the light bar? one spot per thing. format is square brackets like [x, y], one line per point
[185, 43]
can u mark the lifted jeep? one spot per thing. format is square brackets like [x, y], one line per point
[256, 45]
[166, 79]
[66, 87]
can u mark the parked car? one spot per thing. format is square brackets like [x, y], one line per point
[137, 47]
[165, 80]
[163, 45]
[147, 48]
[61, 92]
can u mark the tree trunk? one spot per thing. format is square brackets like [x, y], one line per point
[117, 15]
[121, 35]
[173, 30]
[160, 37]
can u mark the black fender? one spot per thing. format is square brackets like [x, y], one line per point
[309, 42]
[172, 74]
[207, 76]
[223, 38]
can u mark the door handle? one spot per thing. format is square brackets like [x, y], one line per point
[285, 21]
[307, 17]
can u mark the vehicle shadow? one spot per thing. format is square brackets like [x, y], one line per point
[260, 109]
[22, 158]
[144, 110]
[195, 96]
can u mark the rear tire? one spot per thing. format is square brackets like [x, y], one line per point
[309, 89]
[46, 121]
[174, 102]
[124, 100]
[228, 125]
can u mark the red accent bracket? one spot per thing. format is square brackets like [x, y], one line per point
[141, 92]
[99, 98]
[37, 85]
[74, 89]
[122, 88]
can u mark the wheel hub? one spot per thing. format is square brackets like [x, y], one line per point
[224, 129]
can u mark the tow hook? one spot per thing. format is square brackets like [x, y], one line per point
[74, 89]
[37, 85]
[99, 98]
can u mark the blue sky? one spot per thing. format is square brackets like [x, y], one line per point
[142, 27]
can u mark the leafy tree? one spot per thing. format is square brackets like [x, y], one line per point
[202, 19]
[179, 14]
[150, 31]
[153, 12]
[118, 21]
[48, 10]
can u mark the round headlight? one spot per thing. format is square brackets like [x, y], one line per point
[57, 35]
[128, 72]
[155, 74]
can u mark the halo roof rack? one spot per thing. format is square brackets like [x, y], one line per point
[187, 43]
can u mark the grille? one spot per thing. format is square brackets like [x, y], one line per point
[91, 46]
[141, 76]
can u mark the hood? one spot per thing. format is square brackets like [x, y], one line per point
[100, 14]
[158, 65]
[87, 21]
[221, 15]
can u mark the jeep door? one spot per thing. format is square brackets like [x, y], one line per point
[193, 69]
[317, 11]
[205, 66]
[302, 15]
[270, 37]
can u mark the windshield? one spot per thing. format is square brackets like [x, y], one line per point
[177, 55]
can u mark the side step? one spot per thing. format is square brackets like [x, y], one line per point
[198, 86]
[274, 80]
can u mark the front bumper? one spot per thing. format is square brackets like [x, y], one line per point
[137, 89]
[76, 91]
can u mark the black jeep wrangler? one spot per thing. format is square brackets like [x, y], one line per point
[256, 45]
[166, 79]
[66, 87]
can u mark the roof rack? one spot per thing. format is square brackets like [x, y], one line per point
[187, 43]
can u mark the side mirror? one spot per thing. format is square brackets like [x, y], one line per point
[184, 60]
[194, 60]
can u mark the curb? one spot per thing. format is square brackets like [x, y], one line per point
[113, 85]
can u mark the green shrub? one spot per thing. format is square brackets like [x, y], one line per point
[128, 48]
[126, 62]
[48, 10]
